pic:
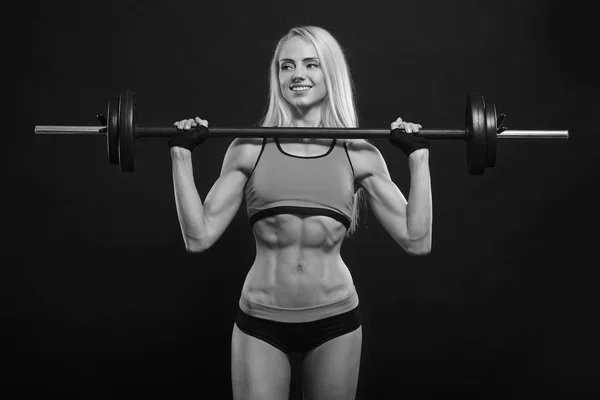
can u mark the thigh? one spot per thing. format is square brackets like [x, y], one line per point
[258, 369]
[330, 371]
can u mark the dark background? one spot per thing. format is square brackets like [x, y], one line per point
[102, 301]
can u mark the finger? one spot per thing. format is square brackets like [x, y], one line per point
[396, 124]
[413, 128]
[201, 121]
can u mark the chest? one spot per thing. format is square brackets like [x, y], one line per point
[279, 175]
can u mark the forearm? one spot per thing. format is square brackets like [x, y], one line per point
[419, 208]
[190, 210]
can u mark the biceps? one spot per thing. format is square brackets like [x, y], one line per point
[223, 201]
[389, 206]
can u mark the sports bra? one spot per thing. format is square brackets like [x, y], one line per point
[283, 183]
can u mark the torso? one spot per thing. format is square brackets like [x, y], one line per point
[298, 262]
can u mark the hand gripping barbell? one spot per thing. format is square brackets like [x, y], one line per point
[482, 128]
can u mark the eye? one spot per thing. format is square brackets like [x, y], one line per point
[285, 67]
[313, 64]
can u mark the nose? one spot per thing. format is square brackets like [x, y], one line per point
[299, 75]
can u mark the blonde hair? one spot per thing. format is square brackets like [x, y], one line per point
[339, 108]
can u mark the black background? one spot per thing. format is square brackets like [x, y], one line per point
[101, 299]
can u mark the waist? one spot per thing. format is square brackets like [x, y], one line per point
[305, 314]
[284, 281]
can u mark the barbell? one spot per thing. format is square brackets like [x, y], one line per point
[482, 129]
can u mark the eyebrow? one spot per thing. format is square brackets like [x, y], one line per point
[306, 59]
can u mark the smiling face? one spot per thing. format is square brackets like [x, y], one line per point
[301, 78]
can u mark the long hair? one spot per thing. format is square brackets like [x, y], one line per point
[339, 108]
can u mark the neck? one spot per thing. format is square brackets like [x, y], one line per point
[307, 117]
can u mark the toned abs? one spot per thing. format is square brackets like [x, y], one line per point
[298, 262]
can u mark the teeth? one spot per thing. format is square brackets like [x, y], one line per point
[300, 88]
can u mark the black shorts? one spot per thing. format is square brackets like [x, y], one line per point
[299, 337]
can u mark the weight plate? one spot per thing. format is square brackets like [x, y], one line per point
[491, 135]
[126, 131]
[112, 132]
[476, 134]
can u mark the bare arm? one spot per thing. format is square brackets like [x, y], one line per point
[408, 222]
[419, 207]
[202, 224]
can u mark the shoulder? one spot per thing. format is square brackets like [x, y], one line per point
[362, 148]
[242, 153]
[366, 159]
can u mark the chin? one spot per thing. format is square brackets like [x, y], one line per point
[305, 102]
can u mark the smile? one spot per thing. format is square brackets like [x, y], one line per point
[301, 88]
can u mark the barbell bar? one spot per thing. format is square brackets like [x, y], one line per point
[482, 129]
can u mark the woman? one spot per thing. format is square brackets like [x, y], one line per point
[298, 296]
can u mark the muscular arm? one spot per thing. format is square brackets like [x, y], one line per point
[408, 222]
[202, 224]
[419, 207]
